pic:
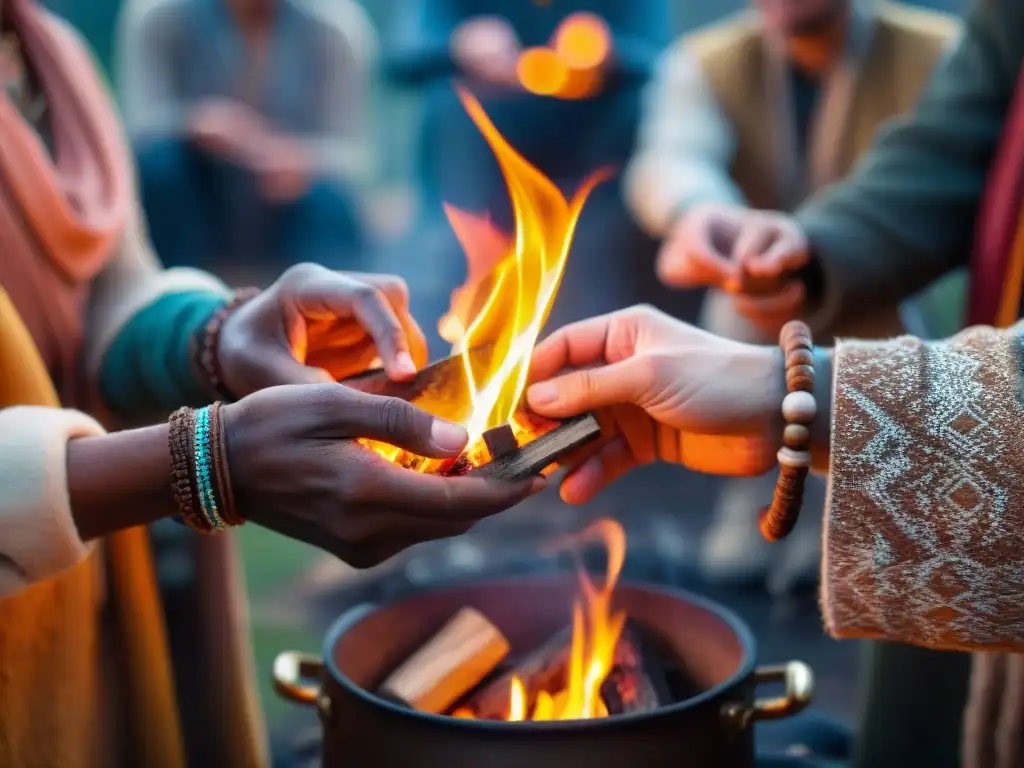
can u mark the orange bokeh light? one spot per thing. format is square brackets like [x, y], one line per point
[583, 41]
[542, 72]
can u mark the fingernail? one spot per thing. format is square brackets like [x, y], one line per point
[448, 436]
[404, 364]
[544, 393]
[537, 485]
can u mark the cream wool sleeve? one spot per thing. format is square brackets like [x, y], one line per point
[38, 537]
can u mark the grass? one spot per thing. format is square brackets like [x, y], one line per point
[270, 562]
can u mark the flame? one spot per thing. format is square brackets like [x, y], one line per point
[596, 629]
[508, 294]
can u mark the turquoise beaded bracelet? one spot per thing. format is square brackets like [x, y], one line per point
[199, 469]
[204, 469]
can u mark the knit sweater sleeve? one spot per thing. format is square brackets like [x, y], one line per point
[141, 322]
[923, 540]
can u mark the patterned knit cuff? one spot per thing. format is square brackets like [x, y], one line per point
[922, 533]
[38, 537]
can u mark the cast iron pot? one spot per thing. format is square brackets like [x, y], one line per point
[712, 729]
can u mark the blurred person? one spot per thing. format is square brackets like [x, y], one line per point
[941, 189]
[763, 109]
[247, 118]
[92, 326]
[922, 528]
[484, 43]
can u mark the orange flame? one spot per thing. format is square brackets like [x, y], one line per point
[506, 299]
[596, 629]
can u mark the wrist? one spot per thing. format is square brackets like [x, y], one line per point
[206, 358]
[821, 428]
[119, 481]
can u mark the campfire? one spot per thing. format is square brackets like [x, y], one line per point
[597, 666]
[494, 321]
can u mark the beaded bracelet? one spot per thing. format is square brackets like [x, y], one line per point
[798, 409]
[208, 340]
[199, 471]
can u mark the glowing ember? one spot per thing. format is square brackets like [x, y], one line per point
[596, 630]
[510, 289]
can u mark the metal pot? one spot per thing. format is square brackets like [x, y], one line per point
[712, 729]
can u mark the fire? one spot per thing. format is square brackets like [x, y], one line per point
[511, 286]
[596, 629]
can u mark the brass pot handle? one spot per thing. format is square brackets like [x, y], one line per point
[294, 674]
[799, 681]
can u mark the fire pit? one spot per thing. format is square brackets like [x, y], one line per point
[487, 674]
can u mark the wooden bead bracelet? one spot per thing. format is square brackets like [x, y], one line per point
[207, 342]
[799, 410]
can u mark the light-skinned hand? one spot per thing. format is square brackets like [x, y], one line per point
[749, 254]
[663, 390]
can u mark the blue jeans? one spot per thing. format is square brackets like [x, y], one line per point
[203, 210]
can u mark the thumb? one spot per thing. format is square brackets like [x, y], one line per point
[275, 366]
[396, 422]
[682, 264]
[586, 390]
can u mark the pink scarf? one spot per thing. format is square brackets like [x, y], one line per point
[62, 212]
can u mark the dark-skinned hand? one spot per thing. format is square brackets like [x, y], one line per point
[296, 468]
[315, 325]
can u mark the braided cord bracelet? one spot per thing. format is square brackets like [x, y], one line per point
[799, 409]
[199, 470]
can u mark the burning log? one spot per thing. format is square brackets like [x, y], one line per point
[432, 388]
[535, 456]
[500, 441]
[449, 665]
[541, 670]
[437, 380]
[637, 681]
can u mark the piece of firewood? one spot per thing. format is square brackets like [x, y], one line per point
[533, 457]
[500, 440]
[451, 663]
[637, 681]
[543, 669]
[439, 383]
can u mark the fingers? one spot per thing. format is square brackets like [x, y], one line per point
[694, 262]
[575, 345]
[276, 366]
[771, 312]
[586, 390]
[346, 413]
[322, 294]
[448, 498]
[786, 251]
[755, 238]
[599, 471]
